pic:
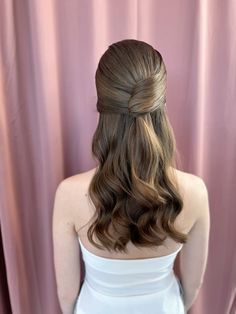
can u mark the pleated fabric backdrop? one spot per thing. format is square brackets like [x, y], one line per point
[49, 54]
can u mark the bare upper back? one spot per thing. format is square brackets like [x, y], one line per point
[83, 210]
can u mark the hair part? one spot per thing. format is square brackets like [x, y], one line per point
[134, 191]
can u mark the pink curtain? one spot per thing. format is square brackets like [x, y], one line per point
[49, 54]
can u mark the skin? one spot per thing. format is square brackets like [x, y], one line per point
[72, 211]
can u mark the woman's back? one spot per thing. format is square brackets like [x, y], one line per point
[138, 269]
[145, 209]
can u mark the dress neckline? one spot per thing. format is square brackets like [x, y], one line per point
[130, 259]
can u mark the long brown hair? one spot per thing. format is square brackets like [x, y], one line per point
[133, 190]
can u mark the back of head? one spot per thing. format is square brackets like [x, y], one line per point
[133, 189]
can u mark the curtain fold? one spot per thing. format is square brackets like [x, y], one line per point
[5, 305]
[49, 54]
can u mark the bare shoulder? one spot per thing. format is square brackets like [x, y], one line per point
[71, 193]
[64, 199]
[78, 182]
[195, 196]
[190, 182]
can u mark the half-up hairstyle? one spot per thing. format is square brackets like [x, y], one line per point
[133, 189]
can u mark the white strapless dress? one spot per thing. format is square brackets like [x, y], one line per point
[129, 286]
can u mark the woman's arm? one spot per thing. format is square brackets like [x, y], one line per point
[66, 249]
[193, 256]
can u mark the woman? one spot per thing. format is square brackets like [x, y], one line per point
[133, 213]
